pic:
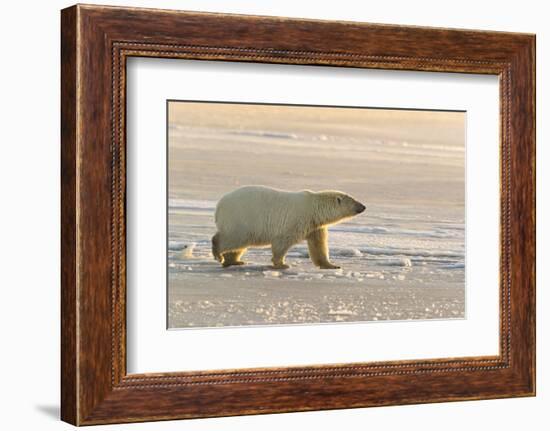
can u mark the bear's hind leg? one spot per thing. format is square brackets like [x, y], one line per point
[317, 244]
[233, 258]
[279, 249]
[216, 247]
[224, 247]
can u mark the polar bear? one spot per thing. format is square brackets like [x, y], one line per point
[258, 216]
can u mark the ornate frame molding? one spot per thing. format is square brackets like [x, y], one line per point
[96, 41]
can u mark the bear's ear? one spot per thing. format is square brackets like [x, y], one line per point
[339, 200]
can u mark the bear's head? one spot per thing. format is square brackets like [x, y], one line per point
[334, 206]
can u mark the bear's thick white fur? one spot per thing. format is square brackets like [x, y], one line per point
[258, 216]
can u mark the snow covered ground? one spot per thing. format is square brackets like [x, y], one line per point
[402, 259]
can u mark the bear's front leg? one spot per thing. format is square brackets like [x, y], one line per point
[317, 244]
[279, 248]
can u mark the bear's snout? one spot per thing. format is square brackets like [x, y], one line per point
[359, 208]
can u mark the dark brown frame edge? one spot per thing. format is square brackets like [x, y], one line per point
[95, 43]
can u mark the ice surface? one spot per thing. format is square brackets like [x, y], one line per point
[401, 259]
[402, 270]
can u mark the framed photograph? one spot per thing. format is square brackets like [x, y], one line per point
[263, 214]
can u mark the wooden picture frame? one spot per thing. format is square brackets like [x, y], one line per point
[95, 43]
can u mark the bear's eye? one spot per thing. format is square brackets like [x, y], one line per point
[339, 199]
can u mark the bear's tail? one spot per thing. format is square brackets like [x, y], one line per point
[216, 247]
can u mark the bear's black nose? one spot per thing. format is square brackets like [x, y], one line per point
[359, 208]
